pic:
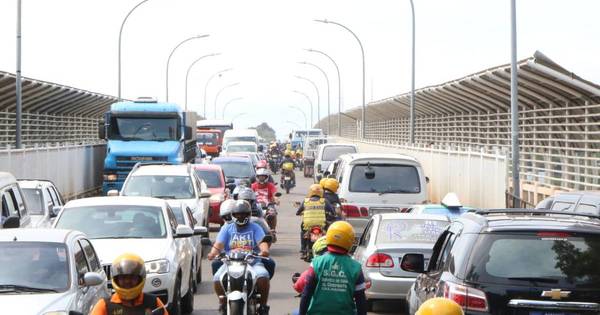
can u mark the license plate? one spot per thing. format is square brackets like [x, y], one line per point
[288, 178]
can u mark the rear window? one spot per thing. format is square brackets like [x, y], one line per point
[236, 169]
[409, 231]
[332, 153]
[387, 178]
[211, 178]
[207, 138]
[537, 259]
[33, 200]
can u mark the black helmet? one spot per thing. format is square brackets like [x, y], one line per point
[241, 212]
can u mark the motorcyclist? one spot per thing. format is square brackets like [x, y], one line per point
[242, 235]
[440, 306]
[287, 166]
[128, 277]
[315, 211]
[262, 164]
[330, 188]
[243, 183]
[335, 283]
[265, 191]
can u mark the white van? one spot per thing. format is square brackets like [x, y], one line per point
[372, 183]
[329, 152]
[14, 211]
[246, 135]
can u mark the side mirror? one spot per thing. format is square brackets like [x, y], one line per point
[427, 179]
[183, 231]
[278, 194]
[413, 263]
[112, 193]
[12, 222]
[92, 279]
[201, 230]
[188, 133]
[205, 241]
[54, 211]
[204, 195]
[230, 181]
[101, 130]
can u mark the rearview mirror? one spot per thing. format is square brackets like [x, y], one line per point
[201, 230]
[12, 222]
[204, 195]
[92, 279]
[413, 263]
[205, 241]
[369, 173]
[54, 211]
[183, 231]
[112, 193]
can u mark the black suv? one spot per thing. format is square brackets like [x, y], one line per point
[513, 261]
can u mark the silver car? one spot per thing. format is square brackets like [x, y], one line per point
[49, 271]
[387, 238]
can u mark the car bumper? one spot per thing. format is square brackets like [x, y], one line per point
[384, 287]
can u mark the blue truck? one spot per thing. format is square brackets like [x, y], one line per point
[145, 131]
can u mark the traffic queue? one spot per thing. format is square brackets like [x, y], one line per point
[366, 228]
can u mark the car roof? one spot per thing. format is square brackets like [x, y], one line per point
[359, 157]
[6, 179]
[211, 167]
[37, 235]
[33, 183]
[413, 216]
[116, 200]
[232, 159]
[164, 170]
[240, 132]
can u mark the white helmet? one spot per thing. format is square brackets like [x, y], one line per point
[262, 172]
[225, 211]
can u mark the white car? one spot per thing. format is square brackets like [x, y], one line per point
[184, 216]
[170, 182]
[49, 271]
[143, 226]
[329, 152]
[13, 210]
[43, 201]
[241, 147]
[373, 183]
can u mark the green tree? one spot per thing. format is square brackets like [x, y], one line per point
[266, 132]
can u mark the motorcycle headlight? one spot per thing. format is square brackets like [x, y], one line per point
[157, 266]
[235, 271]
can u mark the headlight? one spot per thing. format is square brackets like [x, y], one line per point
[157, 266]
[235, 271]
[110, 177]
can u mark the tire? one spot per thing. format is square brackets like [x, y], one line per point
[187, 302]
[236, 307]
[175, 307]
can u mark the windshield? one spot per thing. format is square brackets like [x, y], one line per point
[34, 200]
[386, 178]
[36, 265]
[315, 133]
[240, 148]
[333, 152]
[236, 169]
[164, 187]
[207, 138]
[545, 258]
[114, 221]
[409, 231]
[144, 129]
[211, 178]
[299, 134]
[240, 139]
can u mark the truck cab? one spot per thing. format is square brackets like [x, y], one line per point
[145, 131]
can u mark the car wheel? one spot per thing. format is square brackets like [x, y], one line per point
[175, 308]
[187, 303]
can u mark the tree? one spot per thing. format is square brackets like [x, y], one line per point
[266, 132]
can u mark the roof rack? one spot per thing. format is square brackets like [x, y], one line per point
[532, 211]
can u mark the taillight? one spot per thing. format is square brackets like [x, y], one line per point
[469, 298]
[380, 260]
[354, 211]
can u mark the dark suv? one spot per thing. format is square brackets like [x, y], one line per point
[513, 261]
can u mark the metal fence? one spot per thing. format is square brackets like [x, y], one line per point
[42, 129]
[75, 169]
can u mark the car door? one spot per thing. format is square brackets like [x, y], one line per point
[426, 284]
[183, 254]
[92, 294]
[361, 251]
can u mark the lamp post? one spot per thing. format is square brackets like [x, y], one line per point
[412, 84]
[219, 73]
[339, 88]
[229, 102]
[318, 97]
[120, 37]
[169, 60]
[18, 83]
[514, 104]
[309, 102]
[328, 94]
[219, 93]
[363, 70]
[187, 75]
[303, 114]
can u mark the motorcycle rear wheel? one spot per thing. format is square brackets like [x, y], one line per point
[236, 307]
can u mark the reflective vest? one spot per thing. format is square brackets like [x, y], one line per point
[314, 213]
[148, 305]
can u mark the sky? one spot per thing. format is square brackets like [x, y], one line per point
[75, 43]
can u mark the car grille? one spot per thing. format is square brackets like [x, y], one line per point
[130, 161]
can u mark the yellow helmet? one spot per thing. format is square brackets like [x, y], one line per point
[322, 182]
[288, 146]
[287, 152]
[440, 306]
[319, 246]
[340, 234]
[315, 190]
[331, 184]
[128, 264]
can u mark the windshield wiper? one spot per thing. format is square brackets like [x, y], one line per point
[394, 191]
[4, 288]
[534, 279]
[165, 197]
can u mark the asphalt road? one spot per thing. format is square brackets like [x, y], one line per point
[285, 252]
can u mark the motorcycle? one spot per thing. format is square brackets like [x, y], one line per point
[286, 181]
[274, 163]
[311, 236]
[271, 217]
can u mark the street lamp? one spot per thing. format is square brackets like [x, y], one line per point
[237, 116]
[303, 114]
[363, 71]
[412, 85]
[169, 60]
[229, 102]
[187, 75]
[318, 97]
[514, 104]
[219, 93]
[120, 36]
[309, 102]
[339, 88]
[219, 73]
[328, 95]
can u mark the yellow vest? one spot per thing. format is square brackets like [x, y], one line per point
[314, 213]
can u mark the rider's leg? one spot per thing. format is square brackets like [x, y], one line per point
[219, 291]
[262, 282]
